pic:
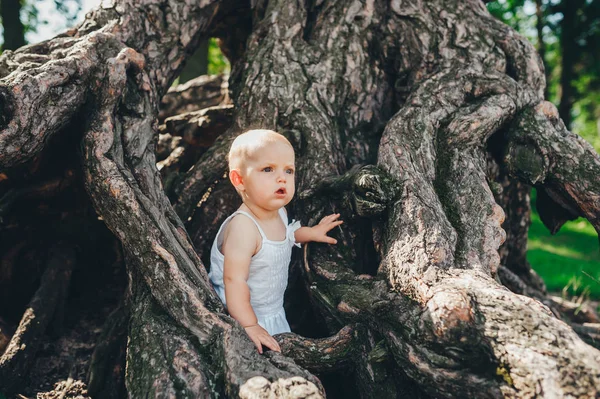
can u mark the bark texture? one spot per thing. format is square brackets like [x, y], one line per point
[422, 123]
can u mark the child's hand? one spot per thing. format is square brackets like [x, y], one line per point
[261, 337]
[327, 223]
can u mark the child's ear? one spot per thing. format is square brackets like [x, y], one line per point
[236, 179]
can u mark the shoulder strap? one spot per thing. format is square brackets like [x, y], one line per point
[283, 216]
[260, 230]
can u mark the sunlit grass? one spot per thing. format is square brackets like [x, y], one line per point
[570, 258]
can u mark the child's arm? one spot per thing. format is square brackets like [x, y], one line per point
[319, 232]
[239, 244]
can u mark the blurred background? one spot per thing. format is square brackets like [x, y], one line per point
[566, 34]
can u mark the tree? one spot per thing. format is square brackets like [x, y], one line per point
[569, 57]
[579, 32]
[14, 31]
[566, 37]
[440, 103]
[14, 28]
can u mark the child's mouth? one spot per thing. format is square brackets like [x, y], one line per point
[281, 191]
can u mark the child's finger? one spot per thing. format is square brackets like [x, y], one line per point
[331, 225]
[271, 344]
[331, 240]
[327, 221]
[258, 345]
[333, 216]
[277, 347]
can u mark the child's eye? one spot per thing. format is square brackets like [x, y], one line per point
[290, 171]
[267, 169]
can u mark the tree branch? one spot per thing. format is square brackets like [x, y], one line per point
[56, 76]
[542, 152]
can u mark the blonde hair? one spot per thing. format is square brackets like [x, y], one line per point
[246, 145]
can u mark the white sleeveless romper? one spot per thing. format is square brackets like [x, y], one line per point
[268, 274]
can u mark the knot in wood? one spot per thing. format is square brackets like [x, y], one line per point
[451, 316]
[373, 190]
[525, 161]
[548, 110]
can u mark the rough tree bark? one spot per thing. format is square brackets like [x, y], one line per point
[423, 123]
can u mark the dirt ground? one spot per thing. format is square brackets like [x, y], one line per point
[62, 363]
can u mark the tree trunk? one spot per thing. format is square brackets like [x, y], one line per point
[541, 45]
[14, 31]
[569, 58]
[422, 123]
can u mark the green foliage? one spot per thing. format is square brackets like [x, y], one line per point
[586, 111]
[217, 62]
[521, 15]
[509, 11]
[69, 9]
[30, 17]
[570, 260]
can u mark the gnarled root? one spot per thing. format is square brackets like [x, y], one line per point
[20, 352]
[171, 291]
[561, 164]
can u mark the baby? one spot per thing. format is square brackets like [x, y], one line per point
[253, 247]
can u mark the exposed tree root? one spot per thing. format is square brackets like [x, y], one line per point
[171, 286]
[201, 128]
[6, 332]
[418, 267]
[44, 190]
[20, 352]
[324, 354]
[62, 72]
[209, 168]
[562, 164]
[166, 144]
[197, 94]
[107, 365]
[198, 130]
[451, 276]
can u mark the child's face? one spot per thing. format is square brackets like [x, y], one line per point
[268, 179]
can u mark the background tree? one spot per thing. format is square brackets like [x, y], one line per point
[19, 17]
[14, 31]
[442, 103]
[566, 33]
[569, 261]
